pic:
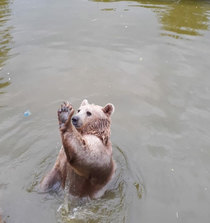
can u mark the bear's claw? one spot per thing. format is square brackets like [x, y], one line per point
[65, 113]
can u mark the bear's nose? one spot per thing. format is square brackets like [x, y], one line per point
[74, 119]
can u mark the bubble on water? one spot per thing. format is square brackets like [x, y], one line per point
[177, 214]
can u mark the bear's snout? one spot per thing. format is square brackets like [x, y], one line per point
[75, 120]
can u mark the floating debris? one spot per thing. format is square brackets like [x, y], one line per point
[27, 113]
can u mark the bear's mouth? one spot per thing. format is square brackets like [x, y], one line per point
[75, 121]
[76, 125]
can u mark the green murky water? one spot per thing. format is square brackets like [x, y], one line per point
[151, 59]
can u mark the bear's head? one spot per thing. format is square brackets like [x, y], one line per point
[93, 119]
[90, 113]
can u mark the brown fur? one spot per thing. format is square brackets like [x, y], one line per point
[99, 128]
[85, 161]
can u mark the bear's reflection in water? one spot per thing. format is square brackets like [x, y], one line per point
[112, 206]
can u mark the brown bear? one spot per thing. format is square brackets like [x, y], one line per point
[85, 162]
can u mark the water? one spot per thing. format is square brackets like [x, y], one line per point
[151, 59]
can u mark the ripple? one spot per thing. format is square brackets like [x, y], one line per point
[112, 205]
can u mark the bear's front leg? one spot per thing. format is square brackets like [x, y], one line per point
[74, 144]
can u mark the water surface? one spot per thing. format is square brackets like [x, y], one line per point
[151, 59]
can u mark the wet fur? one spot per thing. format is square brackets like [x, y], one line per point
[99, 128]
[85, 160]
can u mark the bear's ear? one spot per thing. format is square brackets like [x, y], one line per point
[108, 109]
[84, 102]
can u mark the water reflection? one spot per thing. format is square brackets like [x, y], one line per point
[5, 38]
[184, 18]
[176, 17]
[108, 9]
[3, 84]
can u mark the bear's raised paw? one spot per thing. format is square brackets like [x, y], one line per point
[65, 113]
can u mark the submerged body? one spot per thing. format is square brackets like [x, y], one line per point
[85, 160]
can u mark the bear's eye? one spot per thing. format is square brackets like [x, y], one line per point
[78, 110]
[89, 113]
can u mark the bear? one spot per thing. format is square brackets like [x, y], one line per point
[85, 162]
